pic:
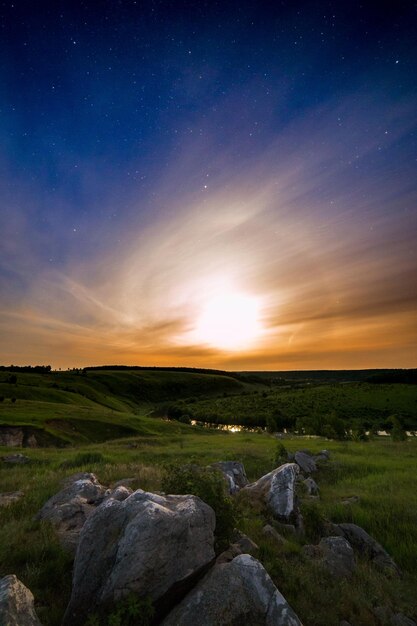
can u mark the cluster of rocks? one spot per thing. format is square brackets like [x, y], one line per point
[162, 547]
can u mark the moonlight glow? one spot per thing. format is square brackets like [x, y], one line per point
[229, 322]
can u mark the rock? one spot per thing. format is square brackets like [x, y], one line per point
[270, 532]
[69, 509]
[277, 490]
[335, 554]
[365, 544]
[245, 543]
[311, 486]
[323, 455]
[11, 437]
[125, 482]
[350, 500]
[242, 545]
[344, 623]
[287, 528]
[235, 474]
[16, 603]
[19, 459]
[239, 592]
[31, 442]
[10, 497]
[399, 619]
[145, 544]
[306, 462]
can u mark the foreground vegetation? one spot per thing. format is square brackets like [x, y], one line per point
[381, 473]
[109, 422]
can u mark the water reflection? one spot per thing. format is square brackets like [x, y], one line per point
[230, 428]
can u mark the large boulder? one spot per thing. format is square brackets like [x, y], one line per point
[146, 544]
[277, 489]
[69, 509]
[16, 603]
[335, 554]
[234, 473]
[238, 592]
[365, 544]
[306, 462]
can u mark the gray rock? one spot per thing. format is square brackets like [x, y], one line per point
[69, 509]
[306, 462]
[335, 554]
[350, 500]
[311, 486]
[243, 545]
[365, 544]
[399, 619]
[16, 603]
[344, 623]
[10, 497]
[235, 474]
[18, 459]
[271, 533]
[239, 592]
[145, 544]
[277, 490]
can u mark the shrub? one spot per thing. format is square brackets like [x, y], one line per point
[83, 458]
[209, 485]
[13, 400]
[281, 454]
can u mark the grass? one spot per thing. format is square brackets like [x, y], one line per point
[381, 473]
[101, 421]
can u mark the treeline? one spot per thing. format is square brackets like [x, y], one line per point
[26, 369]
[155, 368]
[405, 377]
[324, 424]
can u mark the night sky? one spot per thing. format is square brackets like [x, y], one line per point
[220, 184]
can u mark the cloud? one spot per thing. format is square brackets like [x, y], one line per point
[310, 222]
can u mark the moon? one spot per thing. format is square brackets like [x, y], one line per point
[229, 321]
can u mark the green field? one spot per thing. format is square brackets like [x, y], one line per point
[106, 422]
[381, 473]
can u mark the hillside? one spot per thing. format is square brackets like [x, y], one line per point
[69, 407]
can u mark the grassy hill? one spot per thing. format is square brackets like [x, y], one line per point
[94, 405]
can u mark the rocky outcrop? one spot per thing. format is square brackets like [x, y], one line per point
[239, 592]
[11, 436]
[365, 544]
[146, 544]
[69, 509]
[234, 473]
[16, 603]
[17, 437]
[305, 462]
[334, 554]
[10, 497]
[277, 489]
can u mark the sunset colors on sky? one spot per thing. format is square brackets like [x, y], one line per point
[211, 184]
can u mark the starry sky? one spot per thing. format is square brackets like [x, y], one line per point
[157, 155]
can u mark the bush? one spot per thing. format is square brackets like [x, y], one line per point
[281, 454]
[83, 458]
[13, 400]
[209, 485]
